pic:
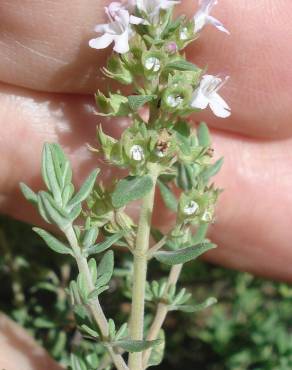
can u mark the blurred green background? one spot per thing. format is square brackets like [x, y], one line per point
[249, 328]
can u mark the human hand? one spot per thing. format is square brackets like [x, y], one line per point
[49, 73]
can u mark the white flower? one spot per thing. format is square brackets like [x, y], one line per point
[191, 208]
[118, 30]
[152, 64]
[152, 7]
[137, 153]
[206, 94]
[202, 17]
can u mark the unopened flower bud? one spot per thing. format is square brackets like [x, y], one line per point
[171, 47]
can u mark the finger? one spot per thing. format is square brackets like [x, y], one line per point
[53, 55]
[19, 351]
[253, 227]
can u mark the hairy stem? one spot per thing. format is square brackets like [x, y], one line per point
[140, 271]
[95, 307]
[161, 313]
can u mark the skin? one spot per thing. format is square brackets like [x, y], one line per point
[48, 75]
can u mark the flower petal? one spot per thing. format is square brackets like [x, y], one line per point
[215, 22]
[122, 42]
[219, 106]
[101, 42]
[199, 100]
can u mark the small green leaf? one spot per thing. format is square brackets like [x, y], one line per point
[137, 101]
[85, 190]
[93, 269]
[90, 236]
[182, 65]
[28, 193]
[167, 196]
[212, 170]
[53, 242]
[196, 307]
[204, 135]
[131, 188]
[91, 332]
[135, 345]
[104, 245]
[183, 255]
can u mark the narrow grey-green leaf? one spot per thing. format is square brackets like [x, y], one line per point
[52, 242]
[212, 170]
[28, 193]
[104, 245]
[106, 265]
[203, 135]
[136, 345]
[52, 212]
[91, 332]
[167, 196]
[182, 65]
[131, 188]
[196, 307]
[85, 190]
[97, 291]
[183, 255]
[137, 101]
[51, 172]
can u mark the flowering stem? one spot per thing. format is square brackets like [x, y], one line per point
[94, 307]
[140, 271]
[161, 312]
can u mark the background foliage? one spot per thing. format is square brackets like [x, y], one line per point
[250, 327]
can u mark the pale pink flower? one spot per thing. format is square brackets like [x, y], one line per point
[206, 94]
[203, 17]
[152, 7]
[118, 30]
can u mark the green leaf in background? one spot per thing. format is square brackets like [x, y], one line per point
[85, 190]
[53, 242]
[28, 193]
[167, 196]
[137, 101]
[131, 188]
[182, 65]
[77, 363]
[185, 177]
[104, 245]
[212, 170]
[204, 135]
[157, 353]
[136, 345]
[196, 307]
[183, 255]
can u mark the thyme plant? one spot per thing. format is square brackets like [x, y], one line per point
[160, 148]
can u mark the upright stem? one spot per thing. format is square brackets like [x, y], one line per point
[161, 313]
[94, 307]
[140, 271]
